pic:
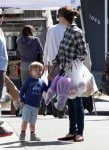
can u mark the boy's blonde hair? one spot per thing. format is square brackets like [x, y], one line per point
[35, 65]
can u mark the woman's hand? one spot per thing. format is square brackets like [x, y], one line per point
[50, 77]
[46, 67]
[52, 71]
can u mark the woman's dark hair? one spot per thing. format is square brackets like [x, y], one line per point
[68, 13]
[28, 30]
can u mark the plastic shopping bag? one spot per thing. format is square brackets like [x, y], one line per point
[77, 77]
[63, 87]
[52, 90]
[91, 86]
[81, 77]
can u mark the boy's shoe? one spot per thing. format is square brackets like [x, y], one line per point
[33, 137]
[4, 132]
[22, 136]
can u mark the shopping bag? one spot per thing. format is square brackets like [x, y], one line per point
[57, 87]
[63, 88]
[77, 77]
[83, 82]
[91, 88]
[52, 90]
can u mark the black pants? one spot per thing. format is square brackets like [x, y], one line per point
[88, 103]
[2, 76]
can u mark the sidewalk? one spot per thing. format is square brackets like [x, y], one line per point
[102, 97]
[101, 104]
[50, 128]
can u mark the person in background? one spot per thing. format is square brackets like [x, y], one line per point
[30, 49]
[3, 69]
[88, 101]
[30, 96]
[72, 47]
[13, 92]
[53, 38]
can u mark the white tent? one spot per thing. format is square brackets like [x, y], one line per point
[38, 4]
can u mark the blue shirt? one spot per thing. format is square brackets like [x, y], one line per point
[3, 52]
[32, 90]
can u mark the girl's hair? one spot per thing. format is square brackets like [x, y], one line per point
[35, 65]
[68, 13]
[28, 30]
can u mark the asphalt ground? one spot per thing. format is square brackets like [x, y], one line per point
[49, 128]
[96, 134]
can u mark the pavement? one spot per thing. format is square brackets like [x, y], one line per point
[96, 132]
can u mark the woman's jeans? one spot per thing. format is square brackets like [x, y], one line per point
[76, 116]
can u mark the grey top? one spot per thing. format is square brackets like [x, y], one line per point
[30, 49]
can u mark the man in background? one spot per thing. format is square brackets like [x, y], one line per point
[3, 69]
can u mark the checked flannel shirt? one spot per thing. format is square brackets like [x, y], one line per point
[71, 47]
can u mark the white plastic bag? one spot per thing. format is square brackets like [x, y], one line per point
[81, 78]
[91, 86]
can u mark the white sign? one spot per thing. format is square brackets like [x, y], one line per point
[94, 19]
[38, 4]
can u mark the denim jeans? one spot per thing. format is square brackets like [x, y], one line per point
[76, 116]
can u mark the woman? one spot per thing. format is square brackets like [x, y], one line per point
[54, 36]
[30, 49]
[72, 47]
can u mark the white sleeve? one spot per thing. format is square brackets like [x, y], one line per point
[46, 49]
[87, 61]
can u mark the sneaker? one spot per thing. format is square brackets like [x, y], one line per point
[4, 132]
[68, 137]
[22, 136]
[33, 137]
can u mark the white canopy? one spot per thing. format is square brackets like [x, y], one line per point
[38, 4]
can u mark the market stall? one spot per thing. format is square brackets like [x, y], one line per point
[27, 12]
[38, 4]
[19, 13]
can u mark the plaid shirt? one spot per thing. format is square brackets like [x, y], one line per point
[71, 47]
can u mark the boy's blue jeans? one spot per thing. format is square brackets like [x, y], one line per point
[76, 116]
